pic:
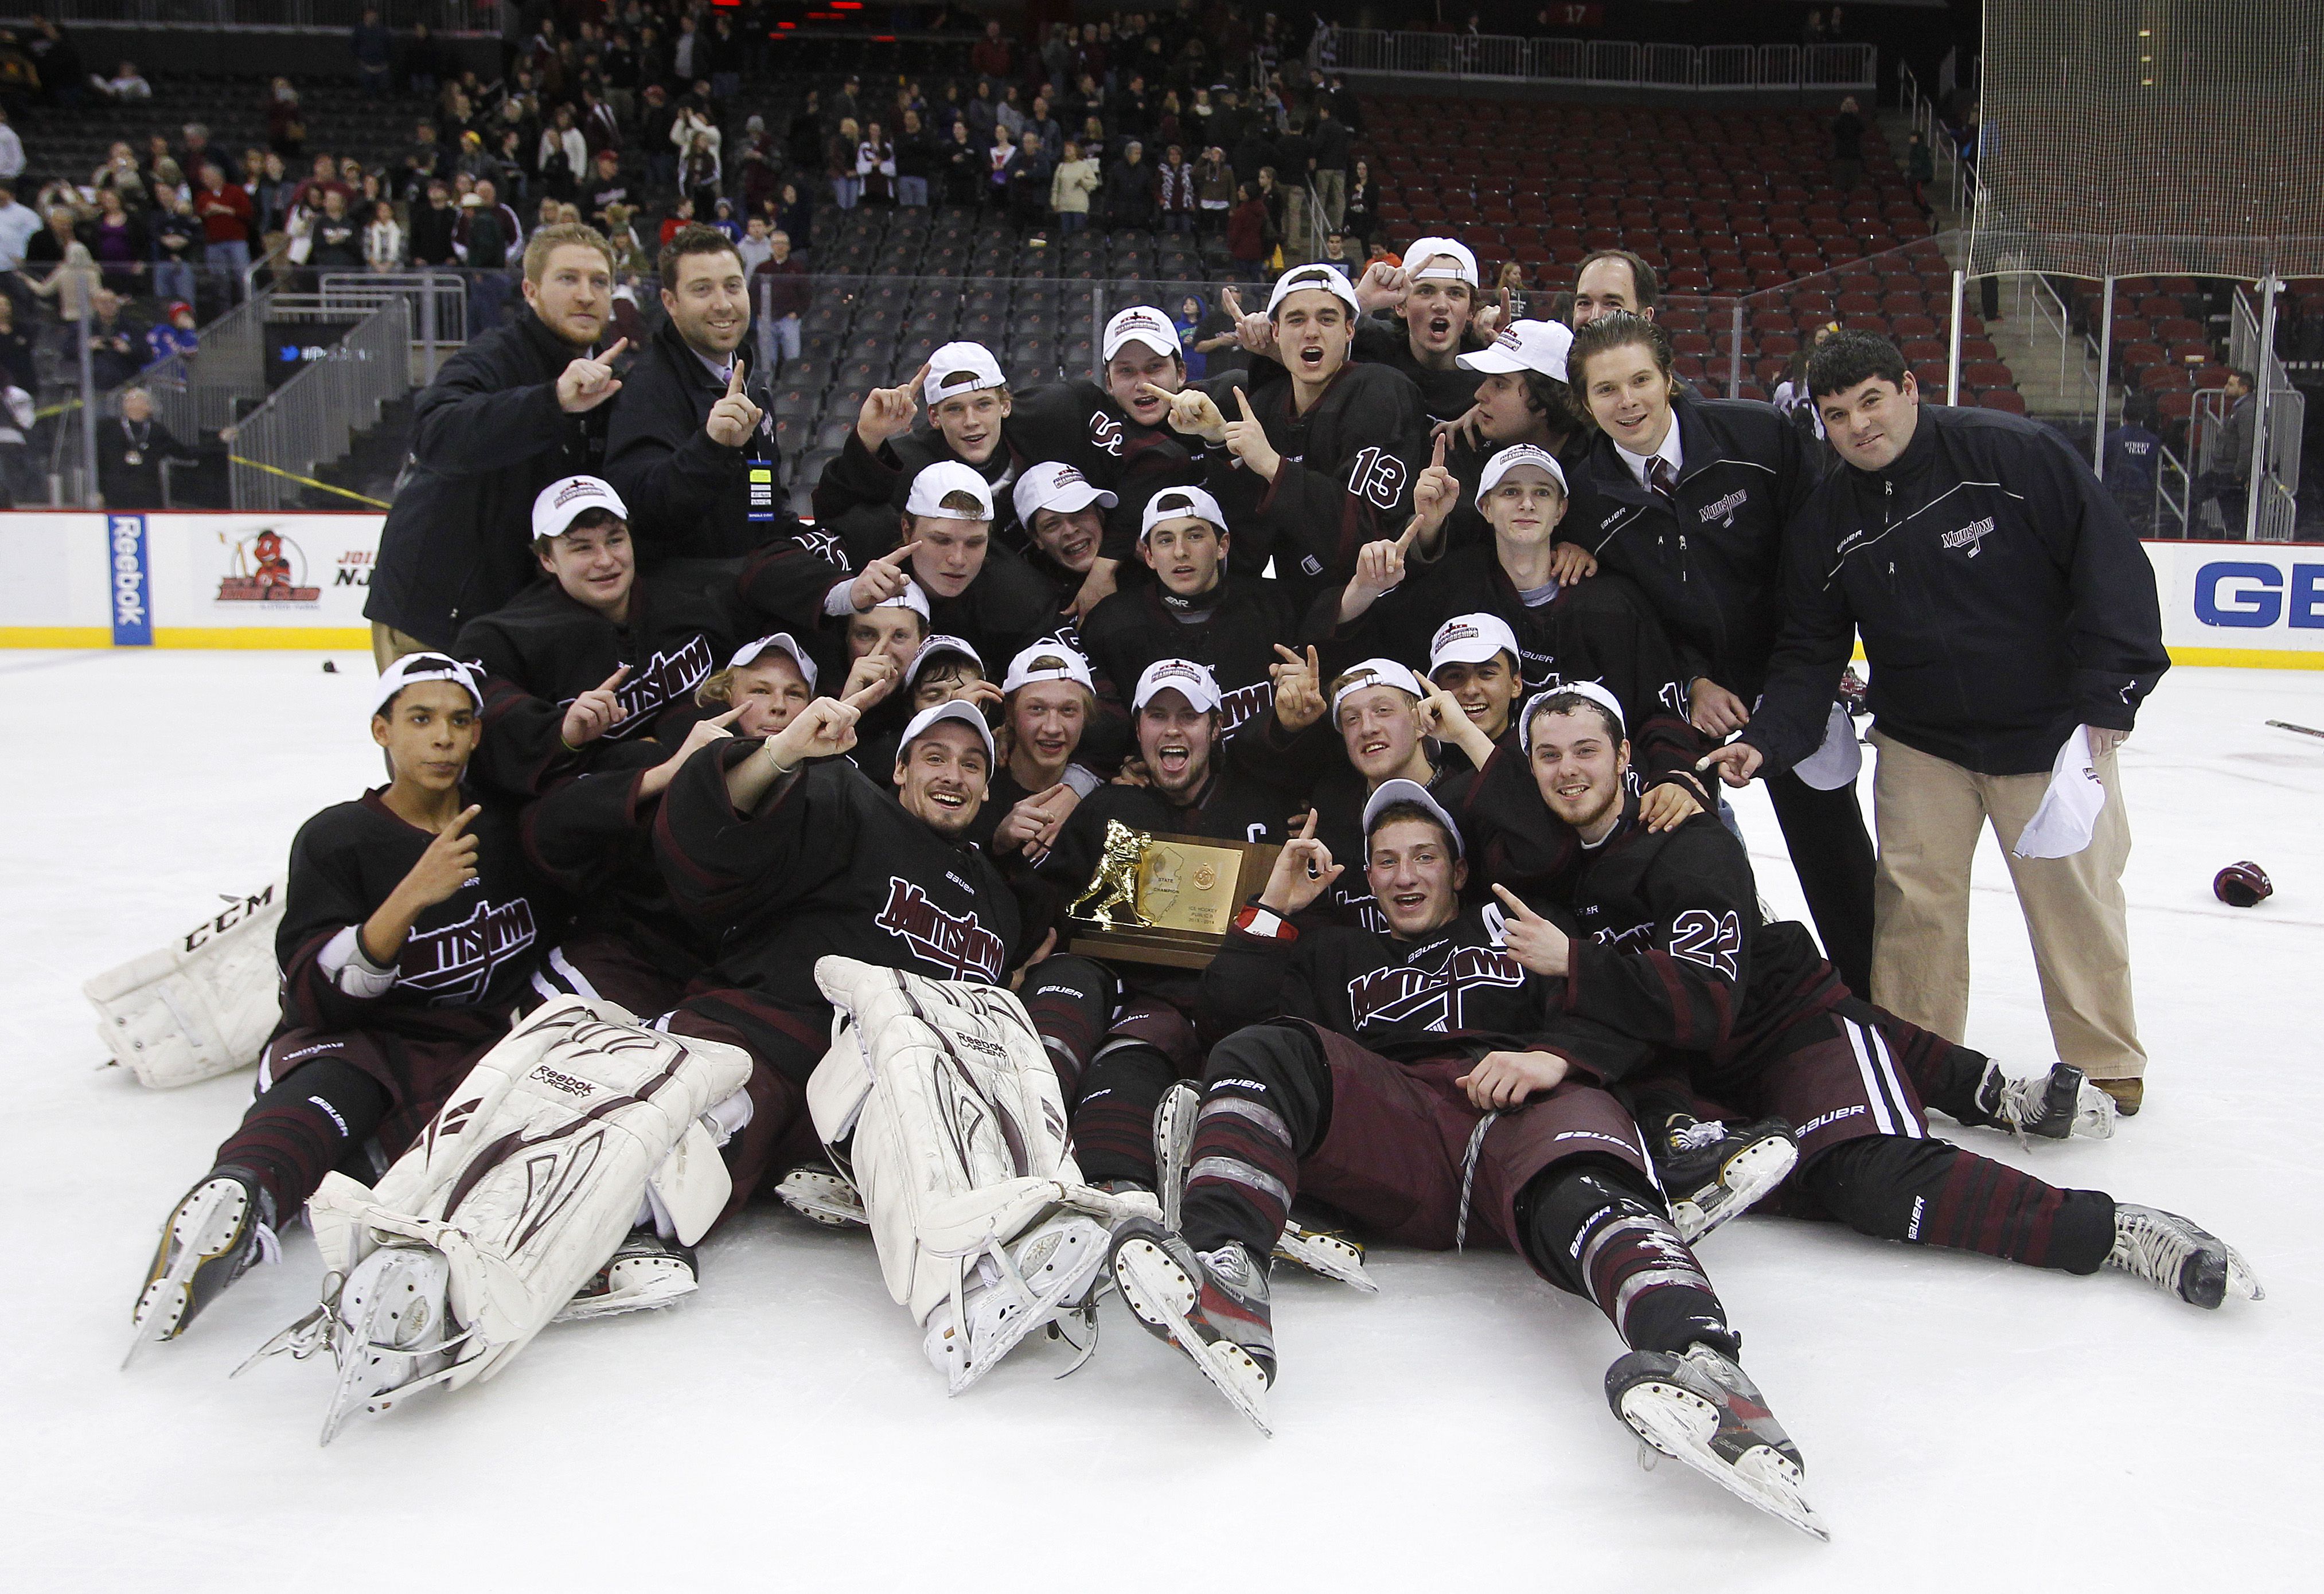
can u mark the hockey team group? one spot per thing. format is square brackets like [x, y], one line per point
[722, 854]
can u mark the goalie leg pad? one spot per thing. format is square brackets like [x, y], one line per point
[201, 1006]
[530, 1177]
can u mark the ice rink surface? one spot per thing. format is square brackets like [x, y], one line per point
[1965, 1422]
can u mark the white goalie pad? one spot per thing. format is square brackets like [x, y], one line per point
[535, 1171]
[939, 1098]
[203, 1005]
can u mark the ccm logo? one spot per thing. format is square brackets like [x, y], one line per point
[2254, 596]
[548, 1076]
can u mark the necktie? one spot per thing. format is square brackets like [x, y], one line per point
[1660, 480]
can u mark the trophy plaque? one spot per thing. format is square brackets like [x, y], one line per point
[1165, 898]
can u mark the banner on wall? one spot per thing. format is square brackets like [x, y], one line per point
[204, 580]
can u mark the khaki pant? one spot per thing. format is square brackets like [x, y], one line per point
[1332, 189]
[388, 644]
[1928, 813]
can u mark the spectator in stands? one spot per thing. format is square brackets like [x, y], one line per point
[964, 167]
[631, 261]
[1215, 189]
[722, 219]
[336, 243]
[62, 73]
[175, 334]
[795, 212]
[1051, 131]
[1920, 170]
[1848, 146]
[194, 148]
[269, 199]
[2132, 450]
[562, 156]
[875, 168]
[1611, 280]
[1028, 184]
[1130, 188]
[286, 124]
[657, 129]
[434, 226]
[116, 343]
[383, 240]
[1333, 146]
[754, 248]
[756, 166]
[681, 215]
[226, 214]
[1070, 187]
[1175, 191]
[176, 236]
[839, 162]
[424, 62]
[124, 86]
[519, 407]
[118, 239]
[2227, 456]
[488, 238]
[11, 148]
[781, 291]
[699, 176]
[1247, 232]
[608, 186]
[19, 224]
[992, 57]
[130, 450]
[916, 162]
[374, 52]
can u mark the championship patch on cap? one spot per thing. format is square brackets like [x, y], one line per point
[1375, 672]
[1194, 681]
[1471, 639]
[1174, 502]
[1047, 661]
[1590, 689]
[414, 668]
[1525, 345]
[1322, 278]
[782, 642]
[960, 368]
[1059, 486]
[1508, 459]
[911, 598]
[942, 480]
[1409, 791]
[1142, 323]
[560, 504]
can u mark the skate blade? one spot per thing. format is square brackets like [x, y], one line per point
[391, 1301]
[1174, 1145]
[201, 1229]
[1153, 1287]
[1053, 1285]
[302, 1339]
[1326, 1254]
[821, 1198]
[1679, 1423]
[1747, 1180]
[636, 1284]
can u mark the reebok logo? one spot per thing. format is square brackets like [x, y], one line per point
[1725, 508]
[555, 1080]
[1970, 537]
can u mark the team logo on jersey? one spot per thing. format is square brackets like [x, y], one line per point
[1715, 941]
[454, 966]
[668, 677]
[1723, 511]
[1243, 703]
[955, 943]
[266, 568]
[1379, 478]
[1970, 537]
[1434, 1000]
[1105, 432]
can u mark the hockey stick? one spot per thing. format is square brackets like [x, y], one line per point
[2303, 730]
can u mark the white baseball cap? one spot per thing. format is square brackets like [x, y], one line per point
[560, 504]
[1525, 345]
[1174, 502]
[414, 668]
[953, 710]
[1053, 485]
[1590, 689]
[940, 646]
[1471, 639]
[782, 642]
[1195, 681]
[1409, 791]
[960, 368]
[1050, 660]
[1427, 258]
[1142, 323]
[937, 482]
[1377, 672]
[911, 598]
[1501, 463]
[1300, 278]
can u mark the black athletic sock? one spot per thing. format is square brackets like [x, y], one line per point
[1597, 1232]
[1113, 1121]
[1070, 1000]
[1930, 1193]
[1265, 1104]
[303, 1128]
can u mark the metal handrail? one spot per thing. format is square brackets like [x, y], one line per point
[312, 418]
[1609, 62]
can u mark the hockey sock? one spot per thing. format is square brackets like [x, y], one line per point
[304, 1126]
[1930, 1193]
[1266, 1098]
[1069, 1000]
[1113, 1122]
[1594, 1231]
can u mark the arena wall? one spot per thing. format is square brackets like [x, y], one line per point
[73, 579]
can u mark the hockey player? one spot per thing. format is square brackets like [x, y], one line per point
[1522, 399]
[1422, 1080]
[1196, 607]
[968, 400]
[1050, 704]
[1673, 953]
[595, 651]
[1133, 450]
[1313, 468]
[1434, 297]
[1688, 498]
[1064, 523]
[409, 929]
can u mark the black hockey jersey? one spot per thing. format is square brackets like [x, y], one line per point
[1235, 635]
[594, 837]
[1445, 394]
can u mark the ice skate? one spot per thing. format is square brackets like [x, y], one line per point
[213, 1238]
[1045, 1279]
[647, 1272]
[1326, 1254]
[1214, 1306]
[1715, 1171]
[390, 1332]
[1174, 1147]
[2172, 1254]
[822, 1197]
[1704, 1410]
[2048, 1106]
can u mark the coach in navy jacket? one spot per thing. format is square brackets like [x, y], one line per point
[2004, 604]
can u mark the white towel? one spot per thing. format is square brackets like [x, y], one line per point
[2061, 827]
[1835, 763]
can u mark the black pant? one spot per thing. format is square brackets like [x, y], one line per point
[1831, 852]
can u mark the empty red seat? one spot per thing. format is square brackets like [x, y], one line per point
[1859, 304]
[1985, 374]
[2003, 398]
[1916, 326]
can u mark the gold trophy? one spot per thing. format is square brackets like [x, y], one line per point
[1165, 898]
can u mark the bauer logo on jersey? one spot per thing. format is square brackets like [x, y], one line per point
[955, 943]
[265, 567]
[1432, 1000]
[1970, 537]
[454, 966]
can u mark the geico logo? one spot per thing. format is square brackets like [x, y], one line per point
[2252, 596]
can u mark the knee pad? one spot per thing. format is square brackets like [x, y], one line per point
[1567, 1203]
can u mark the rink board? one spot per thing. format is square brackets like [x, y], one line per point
[229, 580]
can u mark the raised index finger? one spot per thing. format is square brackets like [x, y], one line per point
[1243, 400]
[1438, 458]
[460, 822]
[1307, 826]
[614, 681]
[1514, 901]
[901, 554]
[608, 356]
[918, 377]
[734, 381]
